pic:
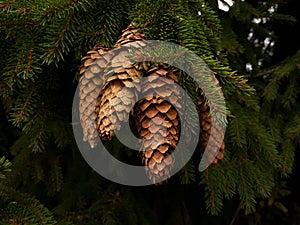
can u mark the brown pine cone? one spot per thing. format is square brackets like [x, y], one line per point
[158, 122]
[116, 100]
[120, 91]
[205, 130]
[93, 65]
[94, 103]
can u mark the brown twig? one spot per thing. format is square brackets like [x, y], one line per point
[235, 214]
[261, 74]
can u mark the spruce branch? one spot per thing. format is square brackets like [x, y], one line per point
[260, 74]
[5, 167]
[236, 214]
[58, 47]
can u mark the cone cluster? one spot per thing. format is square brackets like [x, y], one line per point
[102, 117]
[157, 115]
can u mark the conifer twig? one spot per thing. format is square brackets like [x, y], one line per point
[236, 214]
[261, 74]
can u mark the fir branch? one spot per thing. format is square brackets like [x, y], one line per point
[54, 10]
[212, 196]
[20, 116]
[5, 167]
[260, 74]
[236, 214]
[56, 50]
[56, 177]
[63, 27]
[187, 173]
[283, 70]
[20, 208]
[18, 24]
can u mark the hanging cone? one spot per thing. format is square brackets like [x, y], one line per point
[116, 101]
[90, 79]
[129, 35]
[94, 70]
[205, 128]
[120, 91]
[158, 122]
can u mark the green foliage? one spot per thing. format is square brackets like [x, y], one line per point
[281, 99]
[290, 69]
[4, 167]
[17, 208]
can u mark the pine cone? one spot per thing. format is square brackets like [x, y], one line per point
[116, 100]
[90, 79]
[120, 91]
[110, 107]
[129, 35]
[205, 129]
[158, 122]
